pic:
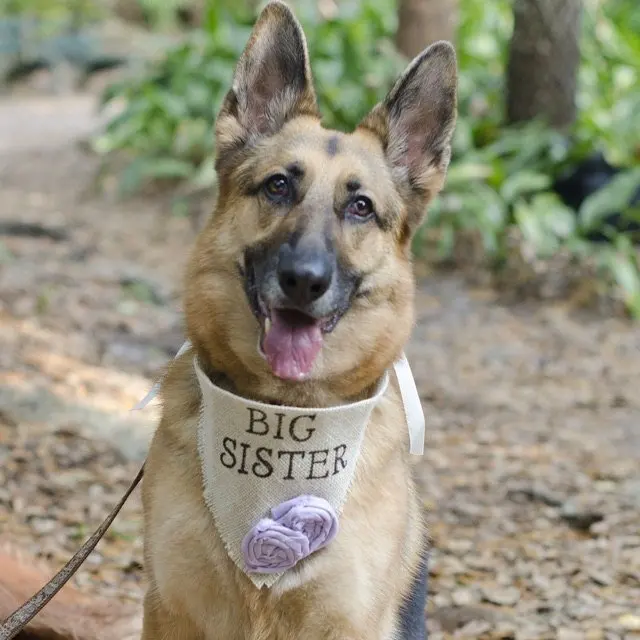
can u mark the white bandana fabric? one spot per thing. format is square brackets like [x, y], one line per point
[255, 456]
[261, 459]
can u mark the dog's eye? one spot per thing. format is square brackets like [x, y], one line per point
[361, 208]
[277, 188]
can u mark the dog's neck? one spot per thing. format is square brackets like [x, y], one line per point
[271, 390]
[411, 403]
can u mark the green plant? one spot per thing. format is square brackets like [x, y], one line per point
[50, 13]
[161, 13]
[501, 177]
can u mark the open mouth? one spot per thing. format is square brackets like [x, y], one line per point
[290, 341]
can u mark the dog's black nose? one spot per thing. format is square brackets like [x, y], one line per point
[304, 275]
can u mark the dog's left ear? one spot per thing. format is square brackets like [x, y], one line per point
[272, 81]
[415, 124]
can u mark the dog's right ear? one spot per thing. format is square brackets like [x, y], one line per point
[415, 124]
[272, 81]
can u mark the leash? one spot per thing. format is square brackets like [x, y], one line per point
[21, 617]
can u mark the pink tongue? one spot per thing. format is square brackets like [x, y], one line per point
[292, 344]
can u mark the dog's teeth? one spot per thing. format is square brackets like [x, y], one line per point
[267, 325]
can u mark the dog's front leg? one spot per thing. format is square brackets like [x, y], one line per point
[160, 624]
[347, 631]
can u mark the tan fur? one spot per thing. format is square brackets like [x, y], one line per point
[353, 589]
[70, 615]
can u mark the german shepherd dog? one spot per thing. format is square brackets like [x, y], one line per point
[300, 292]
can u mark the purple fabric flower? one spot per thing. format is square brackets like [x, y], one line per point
[312, 516]
[271, 547]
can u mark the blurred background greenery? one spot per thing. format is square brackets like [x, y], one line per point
[547, 147]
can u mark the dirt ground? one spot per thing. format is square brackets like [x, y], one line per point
[532, 467]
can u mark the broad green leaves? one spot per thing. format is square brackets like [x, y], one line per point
[614, 197]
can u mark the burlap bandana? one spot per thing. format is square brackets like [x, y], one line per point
[259, 459]
[255, 456]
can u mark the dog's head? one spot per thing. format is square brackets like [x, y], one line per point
[302, 276]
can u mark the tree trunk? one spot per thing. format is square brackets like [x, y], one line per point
[422, 22]
[544, 55]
